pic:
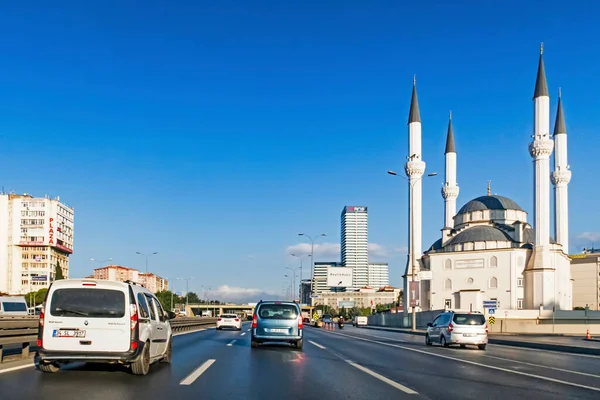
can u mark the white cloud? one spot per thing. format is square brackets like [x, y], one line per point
[589, 236]
[401, 250]
[332, 250]
[240, 295]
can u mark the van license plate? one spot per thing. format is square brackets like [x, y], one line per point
[278, 330]
[468, 334]
[68, 333]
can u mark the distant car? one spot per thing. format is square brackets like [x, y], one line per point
[229, 321]
[455, 327]
[360, 321]
[326, 318]
[277, 321]
[100, 321]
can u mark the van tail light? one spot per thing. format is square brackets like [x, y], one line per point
[40, 340]
[134, 316]
[486, 328]
[254, 321]
[41, 318]
[237, 320]
[300, 322]
[219, 319]
[450, 327]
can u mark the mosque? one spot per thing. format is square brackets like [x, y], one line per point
[488, 249]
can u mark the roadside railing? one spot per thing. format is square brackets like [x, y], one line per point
[19, 333]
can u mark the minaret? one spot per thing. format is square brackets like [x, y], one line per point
[414, 169]
[450, 189]
[560, 179]
[540, 272]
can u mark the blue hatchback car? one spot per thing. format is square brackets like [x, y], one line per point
[277, 321]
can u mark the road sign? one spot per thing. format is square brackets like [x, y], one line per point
[492, 311]
[492, 320]
[490, 303]
[425, 275]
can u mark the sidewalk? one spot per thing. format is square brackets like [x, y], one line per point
[568, 344]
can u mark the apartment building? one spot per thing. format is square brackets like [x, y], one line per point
[119, 273]
[36, 235]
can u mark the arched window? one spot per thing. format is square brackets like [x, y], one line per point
[448, 264]
[448, 284]
[493, 282]
[493, 262]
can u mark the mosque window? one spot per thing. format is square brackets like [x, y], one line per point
[493, 282]
[448, 264]
[493, 262]
[448, 284]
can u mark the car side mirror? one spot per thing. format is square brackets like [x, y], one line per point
[429, 324]
[171, 315]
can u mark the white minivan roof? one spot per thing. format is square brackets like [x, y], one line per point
[89, 282]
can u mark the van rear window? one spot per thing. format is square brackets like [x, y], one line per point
[94, 303]
[469, 319]
[278, 311]
[13, 306]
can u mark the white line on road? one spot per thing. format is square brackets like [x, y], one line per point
[188, 332]
[543, 366]
[243, 334]
[188, 380]
[248, 330]
[318, 345]
[232, 342]
[545, 378]
[3, 371]
[382, 378]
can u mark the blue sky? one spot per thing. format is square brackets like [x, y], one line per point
[213, 133]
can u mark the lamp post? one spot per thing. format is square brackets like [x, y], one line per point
[411, 240]
[146, 257]
[294, 287]
[312, 258]
[301, 290]
[187, 283]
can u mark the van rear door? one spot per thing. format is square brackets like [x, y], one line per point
[91, 318]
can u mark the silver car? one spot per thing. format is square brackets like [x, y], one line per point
[277, 321]
[455, 327]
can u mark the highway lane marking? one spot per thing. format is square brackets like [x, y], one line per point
[188, 332]
[382, 378]
[248, 330]
[366, 370]
[232, 342]
[318, 345]
[3, 371]
[543, 366]
[474, 363]
[191, 378]
[243, 334]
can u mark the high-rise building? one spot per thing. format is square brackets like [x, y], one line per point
[354, 244]
[36, 238]
[378, 275]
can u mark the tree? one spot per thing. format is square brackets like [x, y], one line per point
[58, 272]
[165, 297]
[192, 298]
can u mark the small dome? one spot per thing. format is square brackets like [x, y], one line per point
[490, 203]
[480, 233]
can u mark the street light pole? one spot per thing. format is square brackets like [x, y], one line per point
[187, 282]
[312, 258]
[411, 247]
[294, 287]
[145, 256]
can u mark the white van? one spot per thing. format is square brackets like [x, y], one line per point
[13, 305]
[87, 320]
[360, 321]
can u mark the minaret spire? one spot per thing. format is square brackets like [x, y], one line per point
[561, 178]
[489, 192]
[414, 169]
[450, 189]
[541, 85]
[414, 115]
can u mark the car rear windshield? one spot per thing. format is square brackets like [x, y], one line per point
[95, 303]
[469, 319]
[228, 316]
[13, 306]
[278, 311]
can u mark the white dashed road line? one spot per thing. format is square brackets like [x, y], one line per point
[318, 345]
[243, 334]
[382, 378]
[232, 342]
[191, 378]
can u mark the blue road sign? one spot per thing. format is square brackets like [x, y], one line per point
[492, 311]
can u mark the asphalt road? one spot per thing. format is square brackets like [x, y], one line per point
[348, 364]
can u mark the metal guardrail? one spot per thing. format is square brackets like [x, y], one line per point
[22, 331]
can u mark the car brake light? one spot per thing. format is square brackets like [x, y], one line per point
[88, 284]
[219, 319]
[134, 316]
[450, 327]
[39, 343]
[237, 320]
[42, 318]
[254, 321]
[486, 328]
[300, 322]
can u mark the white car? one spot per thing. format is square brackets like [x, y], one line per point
[229, 321]
[87, 320]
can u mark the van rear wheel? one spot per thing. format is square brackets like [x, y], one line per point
[299, 344]
[142, 365]
[50, 368]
